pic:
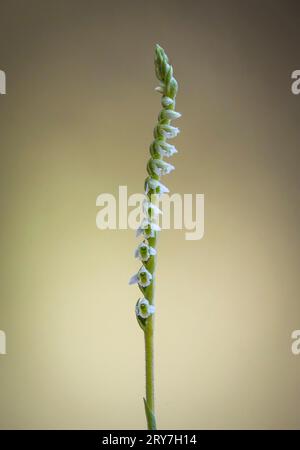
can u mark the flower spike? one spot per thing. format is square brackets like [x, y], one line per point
[146, 251]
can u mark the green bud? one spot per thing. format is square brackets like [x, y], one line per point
[155, 150]
[172, 88]
[166, 101]
[169, 75]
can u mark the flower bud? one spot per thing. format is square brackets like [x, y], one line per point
[172, 88]
[169, 114]
[167, 101]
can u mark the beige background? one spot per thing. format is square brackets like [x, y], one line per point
[77, 121]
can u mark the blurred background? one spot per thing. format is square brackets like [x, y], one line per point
[76, 122]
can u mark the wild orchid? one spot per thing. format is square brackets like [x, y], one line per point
[149, 229]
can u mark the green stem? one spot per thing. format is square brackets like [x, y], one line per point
[149, 347]
[149, 353]
[149, 328]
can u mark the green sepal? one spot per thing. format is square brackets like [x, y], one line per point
[169, 75]
[150, 168]
[164, 69]
[172, 88]
[156, 133]
[140, 320]
[162, 120]
[153, 150]
[157, 72]
[150, 417]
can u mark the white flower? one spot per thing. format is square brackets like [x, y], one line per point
[144, 309]
[144, 251]
[166, 149]
[151, 210]
[169, 114]
[168, 131]
[160, 167]
[167, 101]
[147, 228]
[156, 186]
[143, 277]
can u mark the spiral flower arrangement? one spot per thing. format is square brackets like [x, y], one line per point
[149, 228]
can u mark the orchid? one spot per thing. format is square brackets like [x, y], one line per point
[149, 229]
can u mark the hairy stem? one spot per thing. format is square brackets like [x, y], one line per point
[149, 353]
[149, 345]
[146, 252]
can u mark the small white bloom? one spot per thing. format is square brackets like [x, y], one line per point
[151, 210]
[166, 149]
[147, 228]
[161, 167]
[169, 114]
[156, 186]
[167, 101]
[143, 277]
[144, 309]
[144, 251]
[168, 131]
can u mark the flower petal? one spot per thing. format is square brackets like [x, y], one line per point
[134, 279]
